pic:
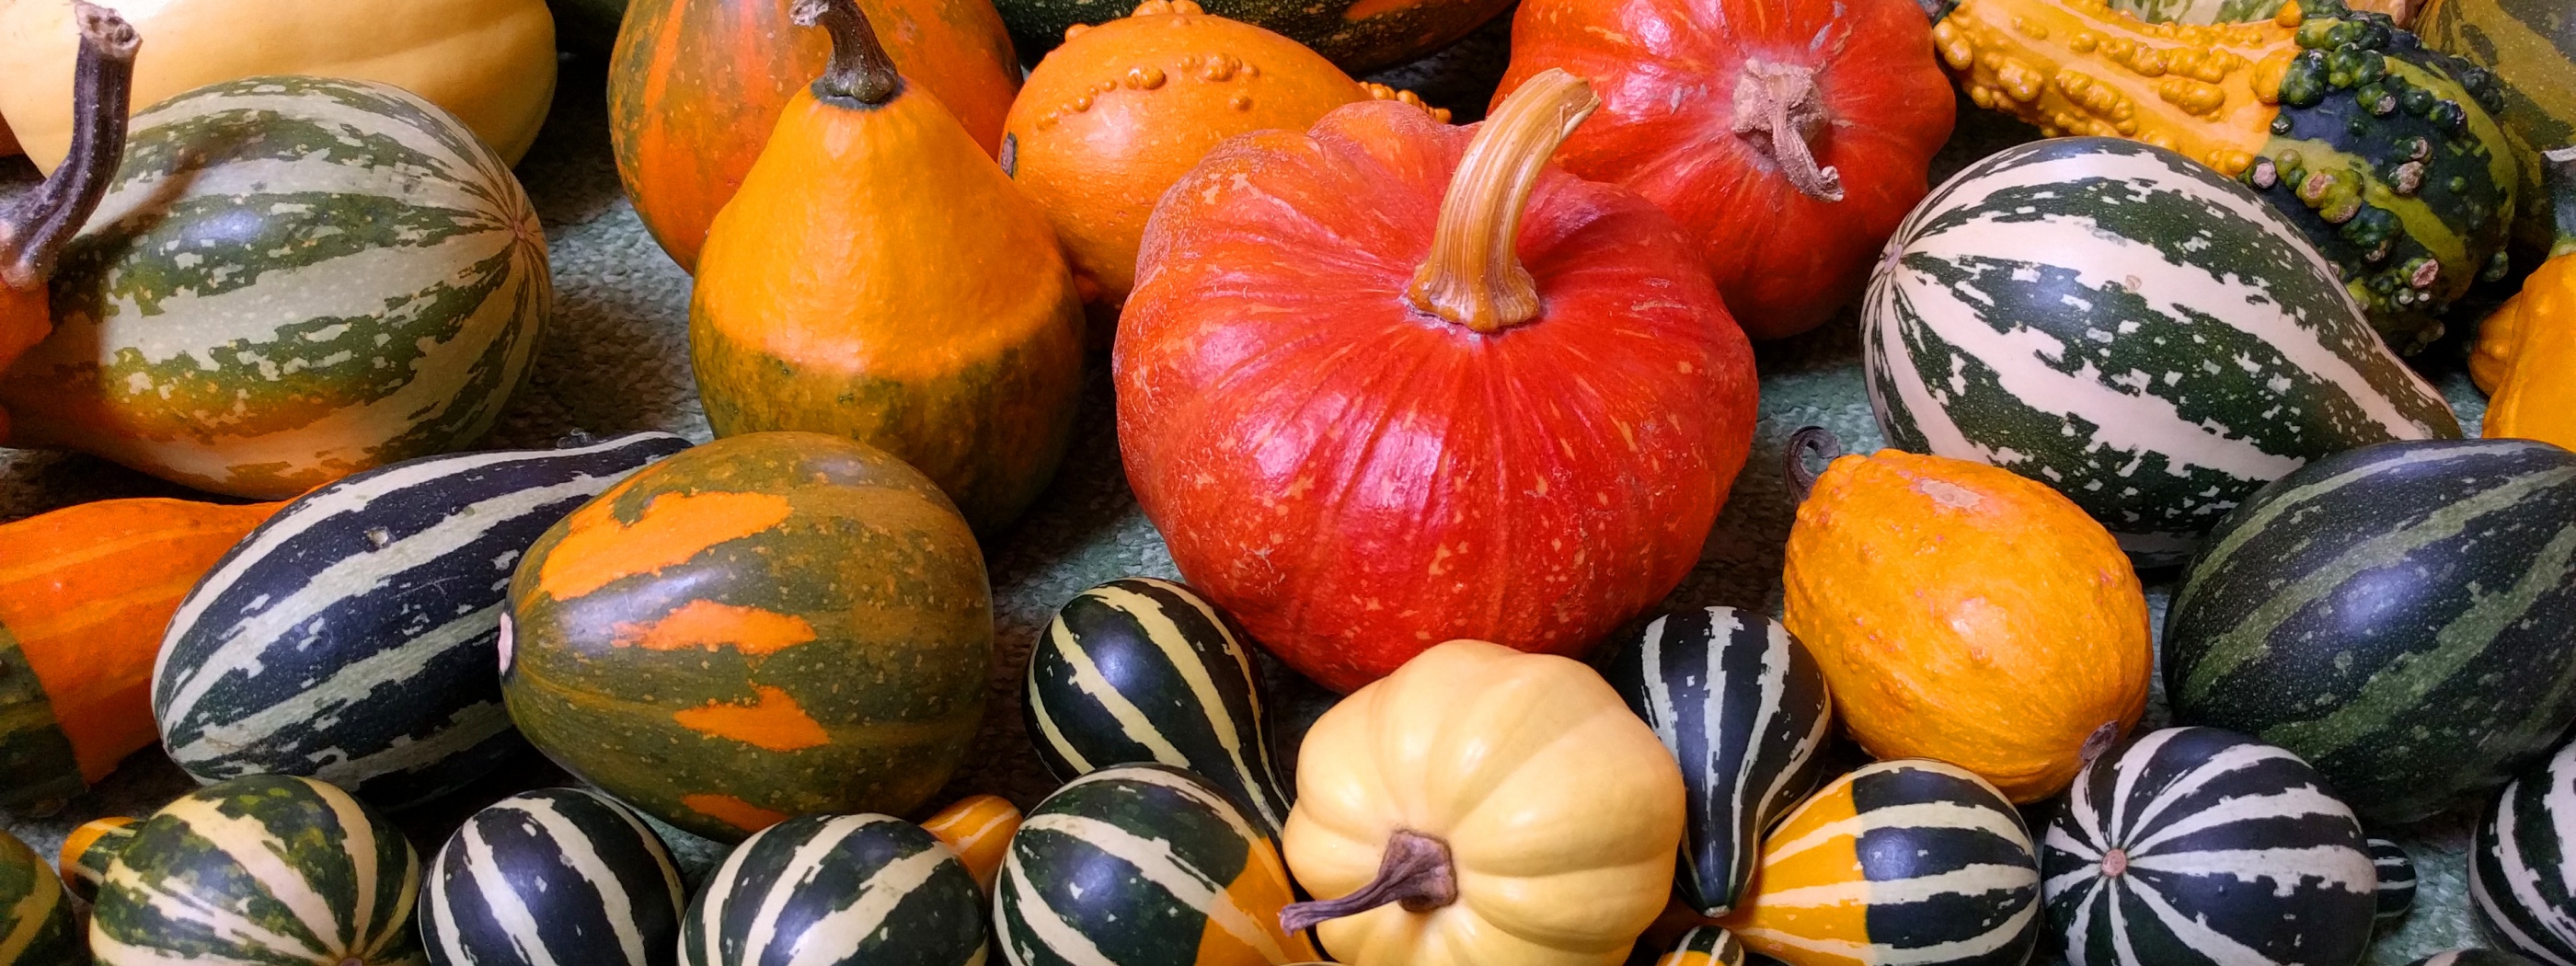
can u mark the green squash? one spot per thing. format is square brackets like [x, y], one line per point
[1358, 35]
[36, 924]
[838, 890]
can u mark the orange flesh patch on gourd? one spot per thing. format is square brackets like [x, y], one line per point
[978, 828]
[1258, 893]
[1781, 918]
[600, 550]
[773, 721]
[733, 811]
[712, 625]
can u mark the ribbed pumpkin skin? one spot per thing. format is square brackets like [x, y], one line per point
[552, 877]
[2519, 881]
[37, 927]
[837, 890]
[1358, 35]
[760, 627]
[2396, 615]
[696, 86]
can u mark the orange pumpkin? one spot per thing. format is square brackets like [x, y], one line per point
[696, 86]
[2526, 352]
[34, 231]
[978, 828]
[1966, 614]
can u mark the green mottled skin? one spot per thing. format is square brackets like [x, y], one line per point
[2531, 45]
[37, 767]
[939, 920]
[1399, 33]
[1100, 895]
[36, 923]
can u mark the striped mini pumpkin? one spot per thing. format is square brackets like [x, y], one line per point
[1704, 946]
[260, 871]
[1143, 865]
[351, 638]
[837, 890]
[1909, 861]
[1140, 669]
[36, 926]
[2522, 868]
[2396, 870]
[2120, 322]
[1743, 706]
[553, 877]
[2192, 846]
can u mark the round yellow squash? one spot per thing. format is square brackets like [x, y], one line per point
[1965, 614]
[489, 62]
[1483, 807]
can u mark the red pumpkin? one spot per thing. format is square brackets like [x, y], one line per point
[1368, 421]
[1789, 136]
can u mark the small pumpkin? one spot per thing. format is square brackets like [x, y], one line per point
[978, 828]
[1705, 946]
[1963, 613]
[2526, 352]
[37, 927]
[2396, 893]
[559, 876]
[1420, 799]
[34, 229]
[2521, 885]
[837, 890]
[971, 373]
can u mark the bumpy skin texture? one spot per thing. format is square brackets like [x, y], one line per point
[1965, 614]
[1669, 71]
[1354, 479]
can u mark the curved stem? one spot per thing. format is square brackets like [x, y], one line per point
[2099, 741]
[860, 70]
[2560, 177]
[1415, 871]
[1474, 275]
[33, 232]
[1815, 440]
[1778, 108]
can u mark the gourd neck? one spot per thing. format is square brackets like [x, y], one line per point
[34, 231]
[1474, 275]
[1815, 441]
[1415, 872]
[1779, 111]
[861, 73]
[2560, 177]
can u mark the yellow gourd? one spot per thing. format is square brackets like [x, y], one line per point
[1483, 807]
[2526, 353]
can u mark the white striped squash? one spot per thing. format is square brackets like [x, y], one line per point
[837, 890]
[2522, 867]
[2396, 892]
[553, 877]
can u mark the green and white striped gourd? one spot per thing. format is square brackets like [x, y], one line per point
[37, 927]
[2522, 865]
[2396, 615]
[260, 871]
[1140, 669]
[292, 279]
[90, 849]
[837, 890]
[552, 877]
[2126, 325]
[2396, 880]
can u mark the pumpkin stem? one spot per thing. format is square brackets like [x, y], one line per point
[2560, 177]
[1778, 110]
[861, 70]
[2099, 741]
[33, 232]
[1474, 275]
[1818, 441]
[1415, 871]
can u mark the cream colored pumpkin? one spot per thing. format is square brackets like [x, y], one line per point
[1552, 810]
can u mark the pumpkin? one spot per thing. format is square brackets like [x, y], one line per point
[2526, 352]
[837, 890]
[34, 229]
[1107, 122]
[2385, 153]
[1420, 800]
[1965, 614]
[1358, 35]
[2396, 892]
[37, 927]
[491, 63]
[978, 828]
[696, 86]
[1379, 476]
[89, 849]
[552, 877]
[760, 627]
[2520, 883]
[85, 593]
[972, 373]
[1788, 138]
[292, 279]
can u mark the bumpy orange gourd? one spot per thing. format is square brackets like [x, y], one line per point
[34, 231]
[878, 278]
[1107, 122]
[2526, 353]
[85, 593]
[1965, 614]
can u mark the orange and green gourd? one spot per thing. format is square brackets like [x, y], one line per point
[2526, 353]
[978, 828]
[35, 228]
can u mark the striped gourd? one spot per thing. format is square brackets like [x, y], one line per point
[2199, 847]
[260, 871]
[1139, 669]
[2531, 46]
[1704, 946]
[2522, 866]
[90, 849]
[553, 877]
[36, 923]
[1912, 861]
[2396, 880]
[1743, 706]
[2198, 11]
[2473, 957]
[837, 890]
[2121, 323]
[2396, 615]
[1143, 865]
[351, 638]
[978, 828]
[292, 279]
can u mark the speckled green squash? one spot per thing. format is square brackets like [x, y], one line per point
[36, 924]
[2531, 46]
[1359, 35]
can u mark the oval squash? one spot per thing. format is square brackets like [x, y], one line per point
[2396, 870]
[2520, 882]
[837, 890]
[558, 876]
[37, 927]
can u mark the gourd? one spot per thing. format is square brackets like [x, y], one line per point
[2396, 892]
[2148, 860]
[1965, 614]
[1357, 35]
[36, 226]
[490, 63]
[2384, 153]
[352, 636]
[1143, 863]
[1417, 797]
[292, 279]
[1911, 861]
[2411, 594]
[1178, 81]
[1743, 706]
[557, 875]
[695, 87]
[90, 848]
[760, 627]
[2519, 881]
[1704, 946]
[2120, 323]
[85, 592]
[1787, 138]
[37, 927]
[2526, 352]
[837, 890]
[971, 372]
[1140, 669]
[978, 828]
[208, 879]
[2531, 47]
[1379, 477]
